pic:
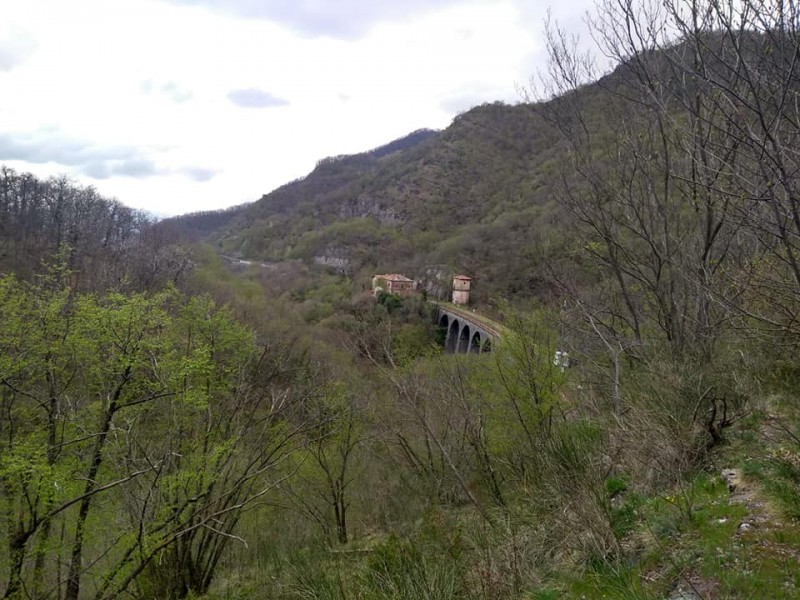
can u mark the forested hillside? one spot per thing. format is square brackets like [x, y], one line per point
[175, 424]
[466, 197]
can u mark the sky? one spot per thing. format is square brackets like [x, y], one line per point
[177, 106]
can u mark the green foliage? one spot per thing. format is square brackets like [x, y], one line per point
[392, 302]
[607, 581]
[400, 570]
[356, 234]
[781, 479]
[616, 485]
[546, 594]
[523, 387]
[412, 342]
[623, 507]
[109, 395]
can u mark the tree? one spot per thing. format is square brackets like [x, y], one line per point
[715, 84]
[682, 181]
[167, 409]
[65, 382]
[109, 246]
[329, 463]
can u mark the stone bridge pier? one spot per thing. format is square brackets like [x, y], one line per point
[463, 335]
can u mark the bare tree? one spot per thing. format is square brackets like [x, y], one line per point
[706, 126]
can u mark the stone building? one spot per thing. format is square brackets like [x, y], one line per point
[461, 285]
[394, 283]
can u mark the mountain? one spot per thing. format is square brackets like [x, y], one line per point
[462, 199]
[502, 191]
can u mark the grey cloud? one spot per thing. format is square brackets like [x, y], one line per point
[344, 19]
[15, 49]
[170, 89]
[56, 148]
[98, 162]
[137, 168]
[255, 98]
[96, 169]
[199, 174]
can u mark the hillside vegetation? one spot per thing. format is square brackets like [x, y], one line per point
[466, 197]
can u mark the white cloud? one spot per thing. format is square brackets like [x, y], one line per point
[154, 88]
[16, 46]
[346, 19]
[255, 98]
[167, 89]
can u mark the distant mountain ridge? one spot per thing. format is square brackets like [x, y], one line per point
[403, 143]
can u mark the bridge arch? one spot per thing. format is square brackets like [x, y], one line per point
[475, 343]
[463, 333]
[463, 339]
[451, 341]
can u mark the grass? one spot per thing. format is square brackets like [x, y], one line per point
[739, 545]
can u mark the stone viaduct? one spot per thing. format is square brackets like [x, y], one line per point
[465, 333]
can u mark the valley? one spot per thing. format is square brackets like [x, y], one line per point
[549, 351]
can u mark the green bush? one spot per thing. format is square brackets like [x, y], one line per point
[392, 302]
[401, 570]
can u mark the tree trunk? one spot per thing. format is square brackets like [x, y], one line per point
[76, 561]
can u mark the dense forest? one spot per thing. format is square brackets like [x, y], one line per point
[215, 406]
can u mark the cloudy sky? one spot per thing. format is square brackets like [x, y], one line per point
[182, 105]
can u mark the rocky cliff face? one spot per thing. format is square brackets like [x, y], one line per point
[335, 258]
[436, 280]
[376, 207]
